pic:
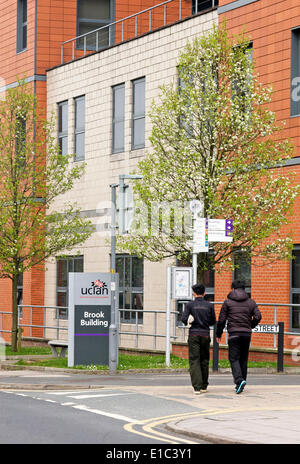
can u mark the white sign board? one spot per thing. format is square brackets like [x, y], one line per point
[200, 243]
[266, 328]
[182, 278]
[219, 230]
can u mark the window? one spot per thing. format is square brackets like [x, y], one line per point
[79, 128]
[131, 287]
[201, 5]
[243, 271]
[295, 290]
[20, 141]
[118, 118]
[20, 295]
[91, 15]
[295, 73]
[241, 92]
[63, 127]
[186, 120]
[63, 267]
[138, 114]
[21, 25]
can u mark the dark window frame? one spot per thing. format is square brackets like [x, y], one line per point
[118, 120]
[62, 135]
[236, 275]
[129, 317]
[79, 130]
[202, 5]
[98, 23]
[295, 72]
[137, 116]
[22, 16]
[63, 289]
[293, 292]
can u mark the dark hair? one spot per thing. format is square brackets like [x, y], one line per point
[238, 284]
[199, 289]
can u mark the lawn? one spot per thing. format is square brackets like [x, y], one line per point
[126, 361]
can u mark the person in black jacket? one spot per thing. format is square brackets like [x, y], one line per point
[242, 315]
[203, 316]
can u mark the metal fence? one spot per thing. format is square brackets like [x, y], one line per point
[117, 31]
[50, 322]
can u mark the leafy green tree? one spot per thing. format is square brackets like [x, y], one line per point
[33, 174]
[214, 139]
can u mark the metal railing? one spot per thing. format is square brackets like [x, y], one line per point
[33, 319]
[45, 322]
[108, 31]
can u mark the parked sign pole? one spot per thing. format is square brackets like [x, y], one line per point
[168, 315]
[113, 329]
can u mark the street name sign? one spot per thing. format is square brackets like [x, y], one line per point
[266, 328]
[89, 318]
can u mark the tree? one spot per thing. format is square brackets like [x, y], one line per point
[33, 174]
[214, 139]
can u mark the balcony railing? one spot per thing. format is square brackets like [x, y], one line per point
[118, 31]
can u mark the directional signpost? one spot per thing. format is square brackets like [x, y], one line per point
[207, 230]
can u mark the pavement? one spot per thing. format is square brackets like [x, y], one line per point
[267, 412]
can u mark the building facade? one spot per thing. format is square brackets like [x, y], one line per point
[116, 92]
[101, 86]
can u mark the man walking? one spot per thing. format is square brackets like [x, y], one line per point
[242, 315]
[203, 316]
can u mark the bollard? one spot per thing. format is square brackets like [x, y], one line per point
[19, 347]
[215, 351]
[280, 347]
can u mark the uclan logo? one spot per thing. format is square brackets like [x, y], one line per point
[97, 288]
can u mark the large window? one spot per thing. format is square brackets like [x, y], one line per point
[63, 267]
[131, 287]
[201, 5]
[21, 25]
[138, 113]
[295, 73]
[295, 288]
[118, 118]
[63, 127]
[79, 128]
[243, 269]
[92, 15]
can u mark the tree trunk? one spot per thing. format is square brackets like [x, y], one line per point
[14, 335]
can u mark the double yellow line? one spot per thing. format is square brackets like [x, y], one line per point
[148, 426]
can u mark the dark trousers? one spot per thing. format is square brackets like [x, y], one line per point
[199, 361]
[238, 351]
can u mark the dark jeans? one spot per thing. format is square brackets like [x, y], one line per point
[238, 356]
[199, 360]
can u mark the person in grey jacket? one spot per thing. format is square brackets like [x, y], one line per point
[242, 315]
[203, 316]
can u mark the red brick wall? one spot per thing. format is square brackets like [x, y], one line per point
[181, 350]
[268, 23]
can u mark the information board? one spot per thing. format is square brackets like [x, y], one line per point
[89, 318]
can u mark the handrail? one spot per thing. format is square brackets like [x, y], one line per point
[135, 15]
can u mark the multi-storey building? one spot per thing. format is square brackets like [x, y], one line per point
[101, 86]
[33, 34]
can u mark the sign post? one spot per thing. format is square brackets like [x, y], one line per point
[179, 283]
[89, 318]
